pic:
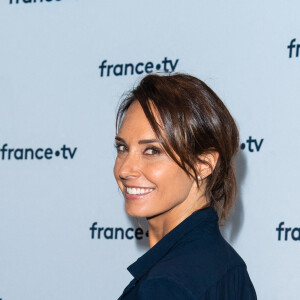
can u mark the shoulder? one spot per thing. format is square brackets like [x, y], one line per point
[200, 257]
[233, 284]
[162, 287]
[200, 265]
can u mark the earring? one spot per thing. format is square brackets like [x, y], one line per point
[198, 177]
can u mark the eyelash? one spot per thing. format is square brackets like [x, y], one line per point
[156, 150]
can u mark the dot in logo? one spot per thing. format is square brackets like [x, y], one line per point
[243, 146]
[57, 153]
[158, 67]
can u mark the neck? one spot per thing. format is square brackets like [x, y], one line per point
[162, 224]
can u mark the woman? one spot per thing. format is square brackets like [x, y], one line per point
[175, 146]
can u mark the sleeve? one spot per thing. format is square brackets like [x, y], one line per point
[235, 284]
[161, 288]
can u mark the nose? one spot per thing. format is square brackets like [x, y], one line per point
[128, 167]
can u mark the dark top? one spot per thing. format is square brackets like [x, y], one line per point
[192, 261]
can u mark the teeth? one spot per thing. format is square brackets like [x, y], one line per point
[137, 191]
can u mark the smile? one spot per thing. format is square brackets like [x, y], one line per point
[138, 191]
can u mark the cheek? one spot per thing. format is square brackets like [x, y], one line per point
[169, 178]
[158, 173]
[115, 169]
[116, 172]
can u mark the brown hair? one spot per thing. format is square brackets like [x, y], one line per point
[194, 121]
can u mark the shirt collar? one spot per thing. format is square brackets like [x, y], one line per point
[160, 249]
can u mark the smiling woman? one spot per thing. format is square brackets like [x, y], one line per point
[175, 146]
[142, 164]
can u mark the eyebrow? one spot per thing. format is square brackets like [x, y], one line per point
[140, 142]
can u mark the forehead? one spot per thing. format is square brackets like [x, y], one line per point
[135, 126]
[136, 122]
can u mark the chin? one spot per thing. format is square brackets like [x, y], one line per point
[135, 212]
[141, 213]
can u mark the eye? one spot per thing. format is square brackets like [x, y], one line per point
[120, 148]
[152, 151]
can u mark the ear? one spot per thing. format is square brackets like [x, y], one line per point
[207, 164]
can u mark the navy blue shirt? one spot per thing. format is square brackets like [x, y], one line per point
[192, 261]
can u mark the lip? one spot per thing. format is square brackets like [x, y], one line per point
[135, 197]
[137, 187]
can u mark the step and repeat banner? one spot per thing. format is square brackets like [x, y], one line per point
[64, 66]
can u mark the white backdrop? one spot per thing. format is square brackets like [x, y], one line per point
[57, 129]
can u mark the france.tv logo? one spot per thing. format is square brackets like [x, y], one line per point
[166, 65]
[288, 233]
[294, 49]
[8, 153]
[117, 233]
[29, 2]
[252, 145]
